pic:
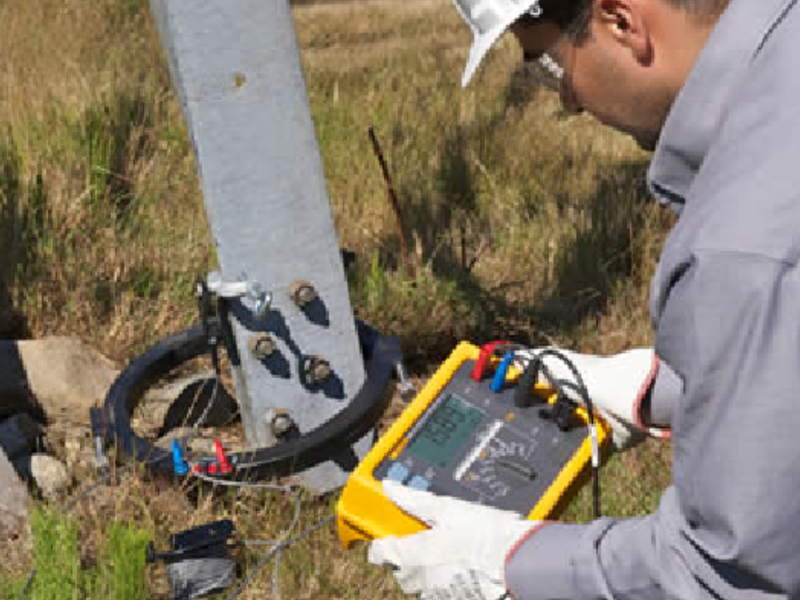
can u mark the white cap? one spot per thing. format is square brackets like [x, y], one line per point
[488, 20]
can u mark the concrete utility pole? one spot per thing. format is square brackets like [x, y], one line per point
[236, 67]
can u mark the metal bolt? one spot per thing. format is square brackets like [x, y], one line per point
[406, 386]
[302, 293]
[261, 345]
[261, 299]
[315, 370]
[282, 424]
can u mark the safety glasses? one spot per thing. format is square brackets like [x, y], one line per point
[544, 71]
[489, 19]
[541, 65]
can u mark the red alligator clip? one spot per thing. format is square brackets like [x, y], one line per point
[222, 464]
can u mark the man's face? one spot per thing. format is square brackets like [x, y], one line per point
[604, 76]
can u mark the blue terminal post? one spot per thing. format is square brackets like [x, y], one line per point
[181, 467]
[500, 374]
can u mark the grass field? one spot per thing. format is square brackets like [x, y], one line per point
[521, 223]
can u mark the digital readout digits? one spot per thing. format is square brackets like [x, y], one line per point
[450, 426]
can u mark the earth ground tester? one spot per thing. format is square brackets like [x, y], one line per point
[467, 435]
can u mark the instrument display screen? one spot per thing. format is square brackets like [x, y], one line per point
[452, 424]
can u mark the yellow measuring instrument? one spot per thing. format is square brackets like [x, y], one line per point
[465, 435]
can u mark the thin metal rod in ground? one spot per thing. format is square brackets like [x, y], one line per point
[393, 201]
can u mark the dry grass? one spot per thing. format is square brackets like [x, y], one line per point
[522, 223]
[92, 145]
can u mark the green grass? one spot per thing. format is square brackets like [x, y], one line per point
[119, 573]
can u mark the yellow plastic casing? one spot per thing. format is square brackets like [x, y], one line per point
[365, 513]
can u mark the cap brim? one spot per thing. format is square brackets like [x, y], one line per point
[483, 42]
[480, 47]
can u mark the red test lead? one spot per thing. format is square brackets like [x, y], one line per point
[485, 358]
[222, 465]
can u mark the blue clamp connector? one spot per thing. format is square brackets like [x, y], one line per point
[500, 374]
[181, 467]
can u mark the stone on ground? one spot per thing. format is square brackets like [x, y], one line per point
[64, 377]
[13, 503]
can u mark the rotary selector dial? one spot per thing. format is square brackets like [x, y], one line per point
[499, 462]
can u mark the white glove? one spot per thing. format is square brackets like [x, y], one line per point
[616, 385]
[461, 557]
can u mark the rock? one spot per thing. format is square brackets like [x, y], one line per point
[19, 435]
[73, 443]
[49, 474]
[195, 442]
[187, 400]
[167, 393]
[13, 503]
[65, 376]
[79, 449]
[149, 419]
[46, 472]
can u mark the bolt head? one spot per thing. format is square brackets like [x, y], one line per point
[407, 391]
[316, 370]
[302, 293]
[261, 345]
[281, 425]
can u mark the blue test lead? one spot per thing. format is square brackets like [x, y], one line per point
[181, 468]
[500, 373]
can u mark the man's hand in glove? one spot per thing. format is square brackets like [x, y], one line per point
[616, 384]
[461, 557]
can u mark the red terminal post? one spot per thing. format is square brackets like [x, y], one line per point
[222, 463]
[485, 358]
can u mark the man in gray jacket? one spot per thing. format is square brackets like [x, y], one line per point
[713, 87]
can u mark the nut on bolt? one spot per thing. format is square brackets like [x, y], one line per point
[302, 293]
[405, 386]
[281, 424]
[261, 345]
[315, 370]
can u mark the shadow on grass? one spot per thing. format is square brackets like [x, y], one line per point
[600, 256]
[113, 136]
[24, 219]
[587, 268]
[445, 232]
[110, 139]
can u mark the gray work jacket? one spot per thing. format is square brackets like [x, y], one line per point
[725, 303]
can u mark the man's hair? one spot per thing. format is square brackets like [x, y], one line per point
[573, 17]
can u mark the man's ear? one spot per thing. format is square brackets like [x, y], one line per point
[626, 22]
